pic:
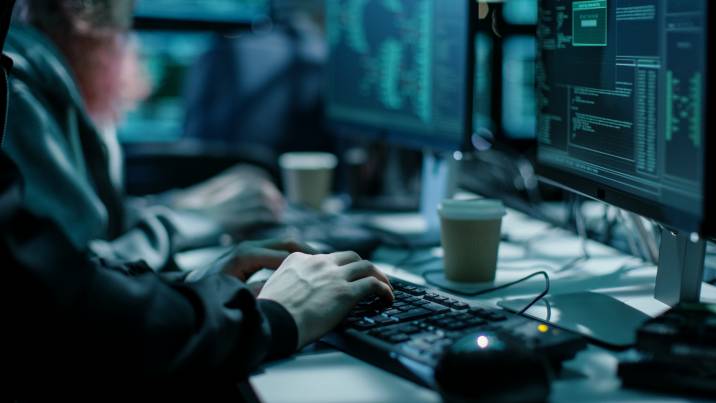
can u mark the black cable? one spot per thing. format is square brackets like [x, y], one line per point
[543, 273]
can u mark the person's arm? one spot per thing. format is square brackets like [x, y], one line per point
[77, 324]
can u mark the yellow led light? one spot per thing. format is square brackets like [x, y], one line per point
[542, 328]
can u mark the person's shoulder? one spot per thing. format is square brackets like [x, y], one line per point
[38, 63]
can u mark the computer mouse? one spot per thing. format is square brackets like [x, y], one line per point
[491, 367]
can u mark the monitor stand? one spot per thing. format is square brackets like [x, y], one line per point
[438, 181]
[681, 268]
[613, 323]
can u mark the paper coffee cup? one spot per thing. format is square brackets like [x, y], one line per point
[307, 177]
[470, 235]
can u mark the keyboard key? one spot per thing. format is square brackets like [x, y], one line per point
[474, 322]
[421, 302]
[456, 325]
[391, 312]
[406, 308]
[363, 325]
[443, 322]
[436, 308]
[380, 319]
[464, 316]
[398, 338]
[496, 317]
[480, 312]
[409, 329]
[414, 290]
[460, 306]
[413, 314]
[400, 295]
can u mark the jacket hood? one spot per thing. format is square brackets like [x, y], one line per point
[37, 61]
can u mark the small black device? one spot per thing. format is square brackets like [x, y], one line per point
[492, 367]
[410, 337]
[677, 353]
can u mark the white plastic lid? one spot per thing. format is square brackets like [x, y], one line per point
[472, 209]
[307, 160]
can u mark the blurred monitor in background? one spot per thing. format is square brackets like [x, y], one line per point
[518, 87]
[263, 88]
[505, 106]
[520, 12]
[483, 82]
[168, 58]
[203, 10]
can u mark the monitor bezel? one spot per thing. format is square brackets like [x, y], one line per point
[354, 130]
[704, 223]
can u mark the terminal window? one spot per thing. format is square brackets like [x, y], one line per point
[589, 19]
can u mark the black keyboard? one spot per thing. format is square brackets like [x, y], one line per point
[408, 336]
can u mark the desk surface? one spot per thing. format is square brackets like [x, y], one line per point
[326, 375]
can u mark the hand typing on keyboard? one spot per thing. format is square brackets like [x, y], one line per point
[416, 310]
[319, 290]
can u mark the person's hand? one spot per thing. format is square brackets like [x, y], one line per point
[319, 290]
[252, 256]
[240, 197]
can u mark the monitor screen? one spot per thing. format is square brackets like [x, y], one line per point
[520, 12]
[483, 83]
[204, 10]
[168, 58]
[519, 115]
[400, 67]
[621, 95]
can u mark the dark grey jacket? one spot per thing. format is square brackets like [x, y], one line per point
[87, 329]
[68, 170]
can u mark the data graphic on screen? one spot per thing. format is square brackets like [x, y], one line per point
[400, 65]
[204, 10]
[483, 83]
[519, 117]
[621, 95]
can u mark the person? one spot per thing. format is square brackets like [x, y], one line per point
[86, 328]
[76, 72]
[276, 101]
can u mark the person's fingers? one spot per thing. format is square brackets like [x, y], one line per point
[361, 269]
[344, 258]
[244, 265]
[266, 258]
[368, 286]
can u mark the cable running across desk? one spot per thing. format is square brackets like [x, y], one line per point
[426, 277]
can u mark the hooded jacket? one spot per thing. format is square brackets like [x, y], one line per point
[89, 329]
[70, 169]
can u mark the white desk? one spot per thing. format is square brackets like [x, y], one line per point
[332, 376]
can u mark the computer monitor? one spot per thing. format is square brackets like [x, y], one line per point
[402, 70]
[168, 58]
[520, 12]
[624, 92]
[483, 104]
[207, 12]
[519, 115]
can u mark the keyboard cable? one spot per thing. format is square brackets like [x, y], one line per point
[426, 276]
